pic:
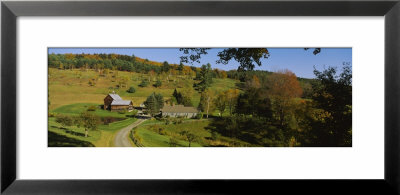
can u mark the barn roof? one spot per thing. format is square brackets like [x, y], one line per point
[121, 102]
[115, 96]
[179, 109]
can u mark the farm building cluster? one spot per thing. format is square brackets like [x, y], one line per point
[114, 102]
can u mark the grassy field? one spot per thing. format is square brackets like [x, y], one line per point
[71, 86]
[151, 138]
[76, 109]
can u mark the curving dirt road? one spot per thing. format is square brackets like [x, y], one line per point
[122, 136]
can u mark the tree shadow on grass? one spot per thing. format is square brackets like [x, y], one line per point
[57, 140]
[75, 133]
[70, 131]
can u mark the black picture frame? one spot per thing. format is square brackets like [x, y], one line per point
[10, 10]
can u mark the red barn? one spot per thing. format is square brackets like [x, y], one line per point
[114, 102]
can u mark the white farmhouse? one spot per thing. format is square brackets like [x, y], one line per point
[179, 111]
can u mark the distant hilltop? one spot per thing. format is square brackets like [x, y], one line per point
[78, 60]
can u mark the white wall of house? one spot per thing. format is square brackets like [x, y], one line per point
[181, 114]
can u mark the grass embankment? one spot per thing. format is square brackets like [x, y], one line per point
[150, 136]
[102, 137]
[76, 109]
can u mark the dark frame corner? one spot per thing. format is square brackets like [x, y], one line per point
[10, 10]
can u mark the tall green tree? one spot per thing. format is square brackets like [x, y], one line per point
[333, 94]
[154, 103]
[205, 77]
[180, 67]
[165, 66]
[184, 97]
[159, 100]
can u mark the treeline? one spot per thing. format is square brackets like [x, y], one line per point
[262, 76]
[124, 63]
[271, 111]
[246, 75]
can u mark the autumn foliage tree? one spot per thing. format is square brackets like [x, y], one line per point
[206, 101]
[283, 87]
[253, 83]
[220, 103]
[231, 96]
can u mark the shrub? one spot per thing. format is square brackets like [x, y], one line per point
[158, 83]
[161, 131]
[144, 83]
[155, 128]
[135, 138]
[122, 111]
[92, 82]
[64, 120]
[234, 143]
[92, 108]
[214, 135]
[167, 121]
[173, 142]
[132, 114]
[179, 120]
[199, 115]
[131, 90]
[109, 119]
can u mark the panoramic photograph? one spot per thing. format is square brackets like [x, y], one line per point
[199, 97]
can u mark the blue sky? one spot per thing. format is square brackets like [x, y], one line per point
[297, 60]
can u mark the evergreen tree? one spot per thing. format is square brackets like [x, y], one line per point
[205, 77]
[180, 67]
[158, 83]
[154, 103]
[144, 83]
[178, 97]
[131, 90]
[159, 100]
[165, 67]
[175, 94]
[151, 105]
